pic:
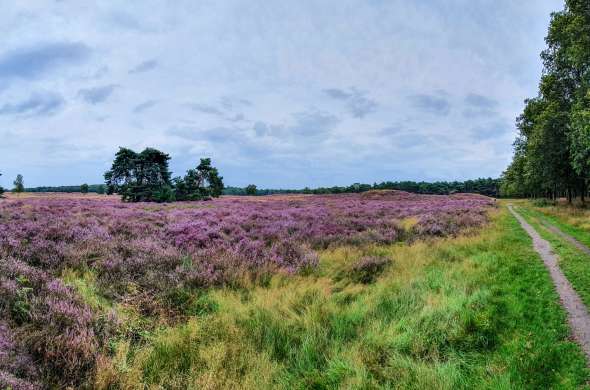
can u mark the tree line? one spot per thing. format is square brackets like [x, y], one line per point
[552, 149]
[483, 186]
[84, 188]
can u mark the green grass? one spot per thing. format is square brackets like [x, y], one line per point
[570, 220]
[574, 263]
[478, 311]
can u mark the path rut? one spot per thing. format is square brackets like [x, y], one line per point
[567, 237]
[577, 313]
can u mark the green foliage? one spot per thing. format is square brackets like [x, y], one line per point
[543, 202]
[201, 183]
[84, 188]
[164, 194]
[145, 177]
[552, 151]
[483, 186]
[139, 177]
[19, 185]
[97, 188]
[250, 189]
[1, 189]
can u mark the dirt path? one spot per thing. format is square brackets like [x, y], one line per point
[577, 313]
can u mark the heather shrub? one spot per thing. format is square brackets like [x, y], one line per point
[61, 330]
[17, 368]
[367, 269]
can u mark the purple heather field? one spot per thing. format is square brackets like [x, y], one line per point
[146, 251]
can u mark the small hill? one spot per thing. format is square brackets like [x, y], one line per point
[388, 195]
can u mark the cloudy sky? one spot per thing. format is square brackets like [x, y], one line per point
[283, 94]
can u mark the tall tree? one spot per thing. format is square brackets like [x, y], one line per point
[84, 188]
[201, 183]
[552, 151]
[141, 176]
[251, 189]
[19, 185]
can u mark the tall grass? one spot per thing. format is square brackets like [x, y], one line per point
[477, 311]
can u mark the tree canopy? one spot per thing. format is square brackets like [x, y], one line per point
[552, 150]
[19, 185]
[145, 177]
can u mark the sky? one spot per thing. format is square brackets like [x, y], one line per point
[282, 94]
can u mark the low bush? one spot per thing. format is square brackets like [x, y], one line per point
[367, 269]
[543, 202]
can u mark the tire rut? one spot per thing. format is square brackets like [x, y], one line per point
[577, 313]
[555, 230]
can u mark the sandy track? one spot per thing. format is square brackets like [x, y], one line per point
[577, 313]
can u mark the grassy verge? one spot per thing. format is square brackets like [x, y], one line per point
[574, 263]
[477, 311]
[572, 220]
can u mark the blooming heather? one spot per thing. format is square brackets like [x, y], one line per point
[144, 251]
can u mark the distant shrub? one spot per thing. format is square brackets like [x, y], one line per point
[250, 189]
[543, 202]
[367, 269]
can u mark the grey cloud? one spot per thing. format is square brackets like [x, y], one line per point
[337, 93]
[261, 129]
[233, 140]
[479, 106]
[32, 62]
[144, 106]
[205, 109]
[308, 124]
[223, 134]
[98, 94]
[356, 101]
[145, 66]
[230, 103]
[401, 137]
[216, 134]
[432, 104]
[489, 131]
[38, 104]
[479, 112]
[391, 130]
[236, 118]
[480, 101]
[127, 21]
[313, 123]
[225, 110]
